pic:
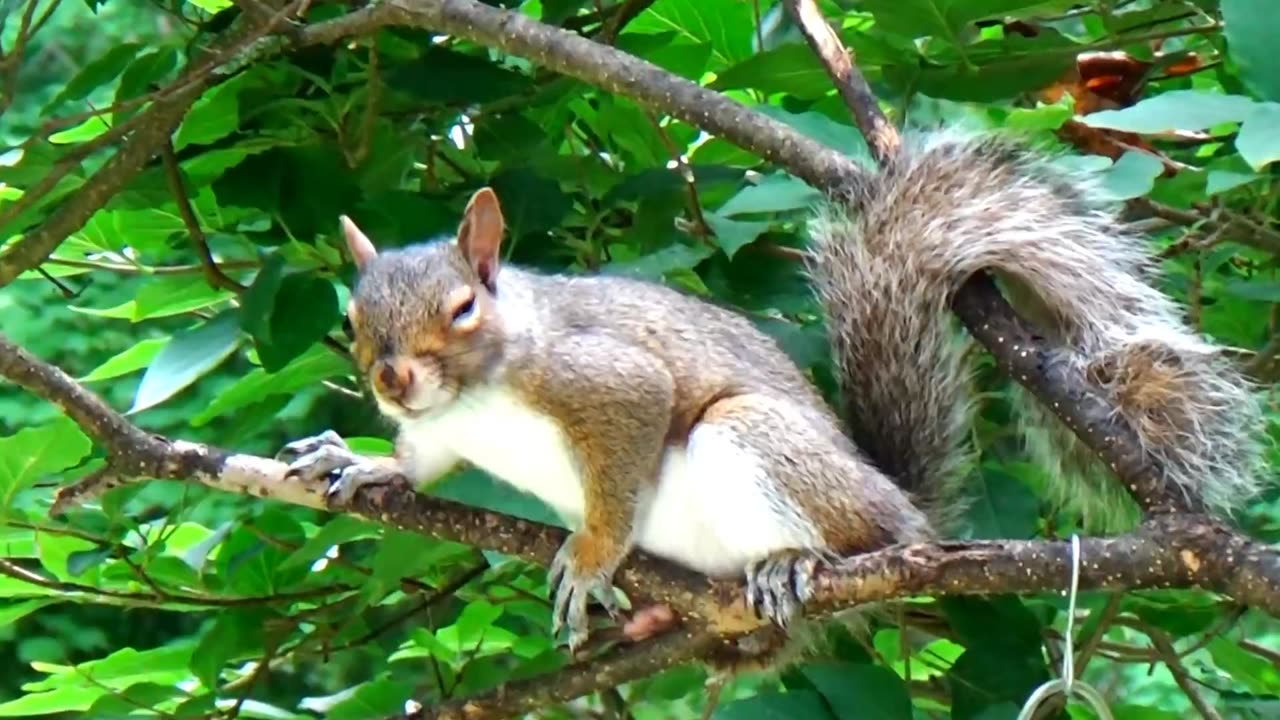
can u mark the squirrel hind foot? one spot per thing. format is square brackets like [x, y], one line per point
[779, 585]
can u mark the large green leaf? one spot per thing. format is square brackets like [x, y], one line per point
[945, 19]
[776, 706]
[1251, 27]
[1175, 110]
[135, 358]
[304, 371]
[1259, 139]
[304, 311]
[858, 691]
[120, 669]
[35, 452]
[187, 357]
[723, 24]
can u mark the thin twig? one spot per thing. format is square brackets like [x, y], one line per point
[173, 173]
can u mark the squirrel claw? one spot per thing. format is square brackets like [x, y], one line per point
[295, 450]
[571, 589]
[354, 477]
[779, 585]
[323, 462]
[327, 457]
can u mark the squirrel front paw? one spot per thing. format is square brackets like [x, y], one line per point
[779, 585]
[576, 573]
[327, 457]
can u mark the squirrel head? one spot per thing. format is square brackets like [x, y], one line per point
[424, 317]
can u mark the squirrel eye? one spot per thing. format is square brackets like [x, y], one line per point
[348, 329]
[464, 310]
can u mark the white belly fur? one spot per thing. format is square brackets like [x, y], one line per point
[709, 510]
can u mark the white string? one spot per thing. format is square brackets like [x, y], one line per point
[1069, 654]
[1067, 685]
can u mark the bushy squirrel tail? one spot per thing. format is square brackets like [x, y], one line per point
[885, 267]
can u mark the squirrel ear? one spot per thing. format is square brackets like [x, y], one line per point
[361, 247]
[480, 234]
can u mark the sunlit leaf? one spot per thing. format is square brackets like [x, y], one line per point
[35, 452]
[187, 356]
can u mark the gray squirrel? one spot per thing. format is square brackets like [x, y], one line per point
[648, 418]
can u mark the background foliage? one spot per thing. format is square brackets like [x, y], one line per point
[166, 599]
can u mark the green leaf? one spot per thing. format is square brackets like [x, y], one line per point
[85, 131]
[377, 699]
[400, 555]
[1133, 175]
[145, 71]
[1005, 508]
[776, 706]
[94, 75]
[304, 311]
[775, 193]
[861, 691]
[656, 266]
[139, 695]
[983, 678]
[476, 620]
[164, 298]
[127, 361]
[316, 364]
[530, 202]
[1265, 291]
[236, 632]
[120, 669]
[972, 619]
[1255, 673]
[59, 553]
[338, 530]
[1259, 138]
[1220, 181]
[12, 612]
[1176, 110]
[64, 700]
[15, 588]
[444, 76]
[146, 231]
[188, 356]
[723, 24]
[32, 453]
[733, 235]
[258, 302]
[945, 19]
[790, 68]
[1251, 27]
[213, 117]
[837, 136]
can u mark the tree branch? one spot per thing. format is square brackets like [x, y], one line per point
[173, 173]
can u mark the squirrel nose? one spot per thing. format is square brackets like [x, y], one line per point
[395, 378]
